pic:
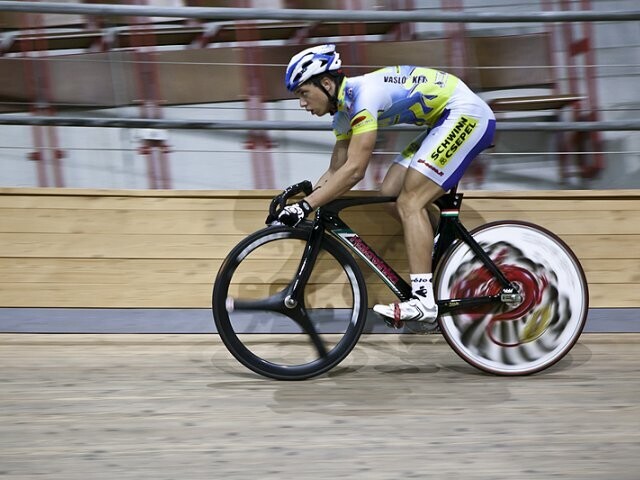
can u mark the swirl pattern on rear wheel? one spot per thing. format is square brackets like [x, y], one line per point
[514, 339]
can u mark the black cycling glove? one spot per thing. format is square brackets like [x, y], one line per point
[293, 214]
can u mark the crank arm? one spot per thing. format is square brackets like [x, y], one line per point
[448, 306]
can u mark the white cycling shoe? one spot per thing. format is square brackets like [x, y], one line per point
[411, 310]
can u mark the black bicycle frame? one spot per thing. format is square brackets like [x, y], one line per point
[449, 229]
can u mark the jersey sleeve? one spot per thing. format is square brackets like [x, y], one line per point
[365, 99]
[370, 100]
[344, 127]
[363, 121]
[341, 126]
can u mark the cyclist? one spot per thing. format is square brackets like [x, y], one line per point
[458, 126]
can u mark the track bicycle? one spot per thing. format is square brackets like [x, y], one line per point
[291, 303]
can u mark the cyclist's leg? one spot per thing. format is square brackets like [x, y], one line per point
[391, 187]
[438, 164]
[393, 180]
[416, 194]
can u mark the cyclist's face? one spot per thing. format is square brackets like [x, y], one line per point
[312, 99]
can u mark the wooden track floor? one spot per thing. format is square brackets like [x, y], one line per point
[401, 406]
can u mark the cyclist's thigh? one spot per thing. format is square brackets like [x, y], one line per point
[393, 180]
[449, 148]
[404, 158]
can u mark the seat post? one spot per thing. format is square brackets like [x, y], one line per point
[450, 200]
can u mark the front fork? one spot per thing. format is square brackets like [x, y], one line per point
[307, 262]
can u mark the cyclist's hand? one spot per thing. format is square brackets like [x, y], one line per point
[293, 214]
[280, 201]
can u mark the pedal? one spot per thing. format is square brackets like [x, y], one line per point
[391, 323]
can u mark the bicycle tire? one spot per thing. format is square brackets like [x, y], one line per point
[533, 335]
[338, 325]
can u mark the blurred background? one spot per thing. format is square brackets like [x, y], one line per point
[179, 69]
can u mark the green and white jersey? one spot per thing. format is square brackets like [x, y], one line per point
[392, 95]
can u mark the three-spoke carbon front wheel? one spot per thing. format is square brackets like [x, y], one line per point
[266, 326]
[526, 337]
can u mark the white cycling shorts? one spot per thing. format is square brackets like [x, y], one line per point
[443, 152]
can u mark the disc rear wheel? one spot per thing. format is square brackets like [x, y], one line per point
[521, 338]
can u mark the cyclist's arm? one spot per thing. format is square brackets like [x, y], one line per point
[349, 172]
[338, 158]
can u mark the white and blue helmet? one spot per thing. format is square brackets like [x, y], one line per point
[311, 62]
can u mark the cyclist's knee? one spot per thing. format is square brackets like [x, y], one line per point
[408, 204]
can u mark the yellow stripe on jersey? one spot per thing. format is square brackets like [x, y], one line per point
[363, 121]
[342, 136]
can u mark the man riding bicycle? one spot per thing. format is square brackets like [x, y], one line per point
[458, 126]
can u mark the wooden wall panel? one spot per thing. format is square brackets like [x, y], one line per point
[104, 248]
